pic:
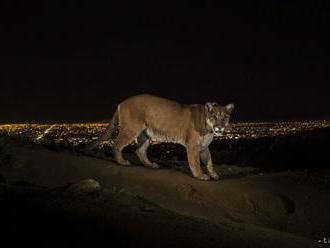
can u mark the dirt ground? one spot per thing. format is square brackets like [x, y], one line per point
[141, 207]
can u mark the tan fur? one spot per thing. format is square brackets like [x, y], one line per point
[146, 117]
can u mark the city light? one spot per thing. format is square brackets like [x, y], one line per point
[81, 133]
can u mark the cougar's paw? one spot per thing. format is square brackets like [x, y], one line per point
[123, 162]
[214, 176]
[154, 165]
[203, 177]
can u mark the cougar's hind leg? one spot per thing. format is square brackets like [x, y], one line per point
[125, 137]
[141, 151]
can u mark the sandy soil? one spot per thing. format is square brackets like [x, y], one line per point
[144, 207]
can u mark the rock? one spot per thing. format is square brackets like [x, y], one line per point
[271, 205]
[85, 186]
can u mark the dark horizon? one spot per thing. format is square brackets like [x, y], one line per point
[75, 62]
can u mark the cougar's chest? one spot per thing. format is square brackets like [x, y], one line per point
[206, 140]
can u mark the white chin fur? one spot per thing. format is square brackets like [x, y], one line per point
[219, 129]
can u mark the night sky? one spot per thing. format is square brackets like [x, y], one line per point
[74, 62]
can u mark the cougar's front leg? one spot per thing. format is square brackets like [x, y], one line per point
[207, 160]
[193, 154]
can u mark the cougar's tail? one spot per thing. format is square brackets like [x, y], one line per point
[107, 134]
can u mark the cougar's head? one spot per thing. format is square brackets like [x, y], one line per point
[217, 117]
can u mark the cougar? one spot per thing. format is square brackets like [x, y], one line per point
[145, 117]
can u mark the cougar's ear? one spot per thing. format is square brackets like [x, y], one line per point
[229, 108]
[209, 106]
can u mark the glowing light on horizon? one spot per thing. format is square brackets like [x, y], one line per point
[76, 134]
